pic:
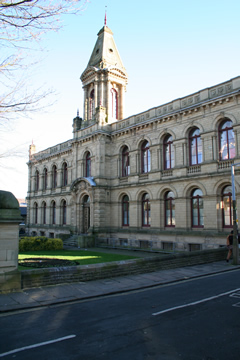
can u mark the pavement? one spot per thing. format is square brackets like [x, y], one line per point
[71, 292]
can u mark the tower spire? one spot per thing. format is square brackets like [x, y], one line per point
[105, 19]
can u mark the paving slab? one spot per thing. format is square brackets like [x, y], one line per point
[62, 293]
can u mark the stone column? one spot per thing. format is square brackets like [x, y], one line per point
[84, 104]
[95, 95]
[10, 217]
[122, 103]
[108, 100]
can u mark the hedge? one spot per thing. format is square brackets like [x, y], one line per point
[37, 243]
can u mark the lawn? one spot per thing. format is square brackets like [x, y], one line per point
[82, 257]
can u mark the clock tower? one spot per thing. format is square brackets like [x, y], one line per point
[104, 81]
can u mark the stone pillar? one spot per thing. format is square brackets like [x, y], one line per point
[95, 94]
[85, 104]
[122, 103]
[10, 217]
[108, 111]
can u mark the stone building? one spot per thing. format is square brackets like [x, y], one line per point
[161, 178]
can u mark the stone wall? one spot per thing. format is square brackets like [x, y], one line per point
[52, 276]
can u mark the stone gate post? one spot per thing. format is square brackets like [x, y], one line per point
[10, 217]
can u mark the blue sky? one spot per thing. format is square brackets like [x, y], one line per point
[170, 49]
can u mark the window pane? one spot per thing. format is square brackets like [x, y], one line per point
[88, 166]
[224, 146]
[193, 152]
[197, 208]
[125, 210]
[227, 211]
[169, 209]
[231, 140]
[146, 210]
[227, 141]
[125, 214]
[199, 150]
[200, 211]
[195, 144]
[195, 212]
[125, 162]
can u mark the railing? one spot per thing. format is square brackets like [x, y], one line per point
[167, 173]
[194, 169]
[225, 164]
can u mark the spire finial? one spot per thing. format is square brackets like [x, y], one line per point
[77, 112]
[105, 19]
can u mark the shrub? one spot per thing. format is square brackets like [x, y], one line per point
[38, 243]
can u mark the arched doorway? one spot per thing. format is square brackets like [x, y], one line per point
[86, 214]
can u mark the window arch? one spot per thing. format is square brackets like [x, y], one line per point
[125, 161]
[35, 207]
[114, 95]
[227, 149]
[195, 147]
[63, 212]
[168, 151]
[145, 157]
[53, 212]
[44, 209]
[91, 105]
[169, 209]
[146, 210]
[197, 208]
[54, 177]
[227, 213]
[125, 210]
[37, 180]
[45, 176]
[88, 164]
[64, 174]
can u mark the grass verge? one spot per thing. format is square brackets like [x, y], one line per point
[83, 257]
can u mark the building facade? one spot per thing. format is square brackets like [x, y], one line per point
[161, 178]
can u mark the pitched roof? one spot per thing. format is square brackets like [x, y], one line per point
[105, 53]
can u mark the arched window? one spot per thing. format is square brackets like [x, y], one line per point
[37, 180]
[125, 162]
[146, 210]
[197, 208]
[114, 104]
[195, 147]
[45, 174]
[88, 164]
[168, 152]
[65, 174]
[36, 213]
[44, 208]
[64, 212]
[91, 105]
[53, 212]
[145, 157]
[125, 210]
[169, 209]
[226, 141]
[54, 177]
[227, 214]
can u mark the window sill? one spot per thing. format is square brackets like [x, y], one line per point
[143, 176]
[123, 179]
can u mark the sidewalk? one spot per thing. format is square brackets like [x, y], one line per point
[50, 295]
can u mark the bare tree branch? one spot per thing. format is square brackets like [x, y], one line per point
[22, 23]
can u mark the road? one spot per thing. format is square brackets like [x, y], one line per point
[191, 320]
